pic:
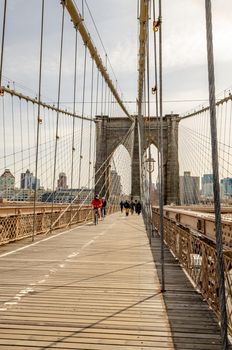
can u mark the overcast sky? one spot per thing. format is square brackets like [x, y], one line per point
[184, 46]
[184, 50]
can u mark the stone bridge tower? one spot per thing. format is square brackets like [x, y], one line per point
[111, 132]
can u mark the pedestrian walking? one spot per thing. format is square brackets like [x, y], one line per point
[121, 206]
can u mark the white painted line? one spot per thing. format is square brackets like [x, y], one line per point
[42, 240]
[23, 292]
[86, 244]
[72, 255]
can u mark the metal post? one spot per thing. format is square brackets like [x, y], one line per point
[216, 188]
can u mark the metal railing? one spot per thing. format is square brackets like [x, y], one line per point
[198, 258]
[17, 223]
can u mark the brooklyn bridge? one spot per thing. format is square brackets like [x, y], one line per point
[96, 101]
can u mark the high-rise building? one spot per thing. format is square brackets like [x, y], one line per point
[28, 181]
[226, 187]
[62, 182]
[207, 185]
[189, 188]
[7, 184]
[7, 181]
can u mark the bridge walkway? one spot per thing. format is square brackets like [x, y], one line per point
[96, 287]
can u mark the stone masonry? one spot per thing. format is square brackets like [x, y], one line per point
[110, 133]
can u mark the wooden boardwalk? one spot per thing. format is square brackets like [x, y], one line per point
[98, 288]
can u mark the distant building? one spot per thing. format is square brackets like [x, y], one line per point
[23, 195]
[207, 185]
[226, 187]
[7, 184]
[189, 188]
[62, 182]
[26, 195]
[77, 196]
[7, 180]
[28, 181]
[115, 183]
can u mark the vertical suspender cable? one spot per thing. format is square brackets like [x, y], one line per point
[111, 104]
[116, 104]
[74, 112]
[156, 96]
[155, 64]
[105, 88]
[13, 128]
[144, 139]
[38, 121]
[3, 40]
[28, 136]
[149, 137]
[91, 122]
[33, 120]
[108, 102]
[97, 92]
[21, 131]
[83, 9]
[161, 151]
[82, 120]
[102, 94]
[94, 150]
[4, 130]
[58, 114]
[216, 188]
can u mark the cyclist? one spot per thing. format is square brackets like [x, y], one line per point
[97, 205]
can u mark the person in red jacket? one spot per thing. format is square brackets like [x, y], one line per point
[97, 204]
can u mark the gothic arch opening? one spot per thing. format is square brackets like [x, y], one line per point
[120, 172]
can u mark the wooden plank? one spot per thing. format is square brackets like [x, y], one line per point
[97, 288]
[91, 288]
[192, 322]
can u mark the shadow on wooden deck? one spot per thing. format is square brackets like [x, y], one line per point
[193, 323]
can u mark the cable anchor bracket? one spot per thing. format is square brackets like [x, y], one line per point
[156, 25]
[153, 90]
[1, 90]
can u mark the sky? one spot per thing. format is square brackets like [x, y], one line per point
[184, 47]
[184, 50]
